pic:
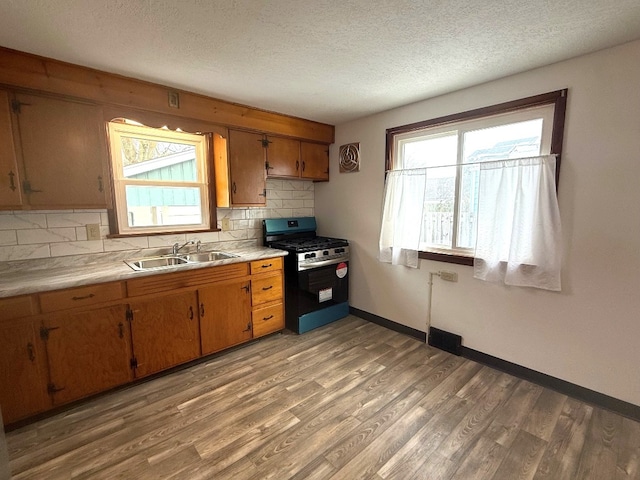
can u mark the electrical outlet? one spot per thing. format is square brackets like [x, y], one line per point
[226, 224]
[93, 231]
[448, 276]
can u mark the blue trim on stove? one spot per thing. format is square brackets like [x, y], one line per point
[316, 319]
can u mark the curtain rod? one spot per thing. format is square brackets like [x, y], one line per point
[470, 164]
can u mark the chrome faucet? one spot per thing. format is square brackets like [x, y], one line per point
[177, 247]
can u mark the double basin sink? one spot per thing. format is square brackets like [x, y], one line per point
[165, 261]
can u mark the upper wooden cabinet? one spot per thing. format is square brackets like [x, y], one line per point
[288, 158]
[62, 145]
[247, 177]
[314, 159]
[10, 191]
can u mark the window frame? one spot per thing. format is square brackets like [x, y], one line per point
[556, 98]
[202, 142]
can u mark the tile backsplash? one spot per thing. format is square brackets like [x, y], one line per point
[55, 233]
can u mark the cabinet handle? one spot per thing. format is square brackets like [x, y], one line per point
[297, 165]
[100, 184]
[267, 318]
[12, 183]
[266, 265]
[245, 288]
[91, 295]
[248, 329]
[26, 186]
[121, 330]
[190, 312]
[31, 351]
[233, 188]
[202, 309]
[267, 288]
[303, 166]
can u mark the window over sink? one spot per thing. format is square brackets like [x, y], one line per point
[160, 179]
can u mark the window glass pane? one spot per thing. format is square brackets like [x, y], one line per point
[431, 151]
[514, 140]
[155, 205]
[437, 227]
[145, 159]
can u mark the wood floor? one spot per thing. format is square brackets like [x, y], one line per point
[351, 400]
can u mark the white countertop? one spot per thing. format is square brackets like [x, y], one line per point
[24, 278]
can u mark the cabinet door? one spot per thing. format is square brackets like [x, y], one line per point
[88, 352]
[283, 157]
[165, 332]
[225, 315]
[63, 151]
[23, 390]
[247, 168]
[10, 192]
[315, 161]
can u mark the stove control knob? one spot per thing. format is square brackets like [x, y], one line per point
[339, 250]
[326, 252]
[309, 255]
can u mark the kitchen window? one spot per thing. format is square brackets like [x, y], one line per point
[160, 178]
[452, 148]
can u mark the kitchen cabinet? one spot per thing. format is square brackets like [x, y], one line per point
[22, 363]
[288, 158]
[164, 332]
[267, 297]
[225, 314]
[283, 157]
[62, 148]
[10, 192]
[314, 159]
[247, 174]
[88, 351]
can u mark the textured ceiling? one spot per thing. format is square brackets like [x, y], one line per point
[325, 60]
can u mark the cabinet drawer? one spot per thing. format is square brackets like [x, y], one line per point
[16, 307]
[267, 320]
[266, 289]
[80, 297]
[266, 265]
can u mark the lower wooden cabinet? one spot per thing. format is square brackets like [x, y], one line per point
[164, 332]
[87, 351]
[61, 346]
[23, 390]
[225, 315]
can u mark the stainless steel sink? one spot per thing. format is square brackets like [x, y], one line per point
[209, 256]
[148, 263]
[166, 261]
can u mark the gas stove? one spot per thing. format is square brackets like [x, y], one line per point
[298, 236]
[316, 272]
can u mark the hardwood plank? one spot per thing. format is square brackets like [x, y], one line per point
[507, 423]
[482, 461]
[523, 458]
[544, 415]
[600, 453]
[562, 454]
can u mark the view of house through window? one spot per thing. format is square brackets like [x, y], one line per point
[160, 179]
[452, 154]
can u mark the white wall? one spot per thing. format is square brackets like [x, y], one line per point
[588, 334]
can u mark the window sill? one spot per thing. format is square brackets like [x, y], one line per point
[446, 257]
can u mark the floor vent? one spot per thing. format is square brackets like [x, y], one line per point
[447, 341]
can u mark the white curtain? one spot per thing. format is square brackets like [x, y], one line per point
[518, 241]
[402, 216]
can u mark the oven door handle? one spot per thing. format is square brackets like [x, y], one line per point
[309, 266]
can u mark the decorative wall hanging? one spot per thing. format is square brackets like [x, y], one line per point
[350, 158]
